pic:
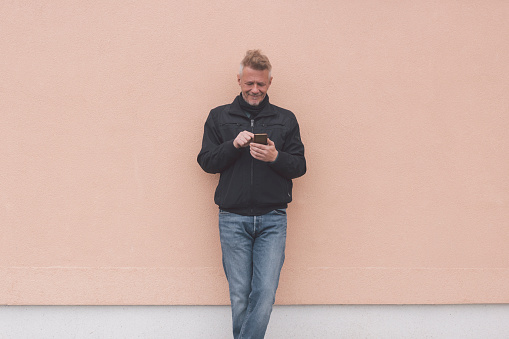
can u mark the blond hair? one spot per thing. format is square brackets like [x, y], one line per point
[256, 60]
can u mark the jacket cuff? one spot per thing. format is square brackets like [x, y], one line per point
[279, 163]
[230, 149]
[277, 157]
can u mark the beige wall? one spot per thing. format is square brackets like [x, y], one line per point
[404, 111]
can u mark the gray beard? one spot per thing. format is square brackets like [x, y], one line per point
[254, 105]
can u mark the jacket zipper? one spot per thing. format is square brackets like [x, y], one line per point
[252, 175]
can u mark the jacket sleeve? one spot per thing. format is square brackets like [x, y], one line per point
[290, 162]
[216, 154]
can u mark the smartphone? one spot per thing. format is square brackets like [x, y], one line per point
[260, 138]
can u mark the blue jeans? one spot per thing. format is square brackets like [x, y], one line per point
[253, 255]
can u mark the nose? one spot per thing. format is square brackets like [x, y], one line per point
[254, 89]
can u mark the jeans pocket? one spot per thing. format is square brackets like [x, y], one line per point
[280, 211]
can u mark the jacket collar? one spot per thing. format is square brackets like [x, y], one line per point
[235, 109]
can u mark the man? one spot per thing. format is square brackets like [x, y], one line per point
[255, 187]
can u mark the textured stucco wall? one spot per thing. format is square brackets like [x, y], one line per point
[403, 107]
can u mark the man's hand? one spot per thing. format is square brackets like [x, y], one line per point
[243, 139]
[267, 153]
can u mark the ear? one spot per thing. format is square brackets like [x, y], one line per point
[270, 82]
[238, 79]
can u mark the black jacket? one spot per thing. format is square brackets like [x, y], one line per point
[248, 186]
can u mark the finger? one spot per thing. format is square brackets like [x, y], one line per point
[248, 138]
[247, 135]
[270, 142]
[257, 156]
[256, 151]
[260, 146]
[244, 141]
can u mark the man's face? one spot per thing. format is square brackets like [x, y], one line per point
[254, 85]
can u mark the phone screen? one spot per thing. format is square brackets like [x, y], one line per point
[260, 138]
